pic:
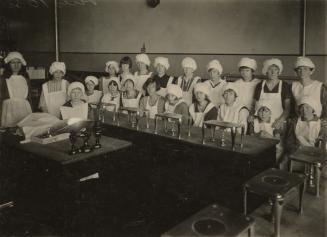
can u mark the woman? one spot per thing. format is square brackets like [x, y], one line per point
[162, 78]
[76, 107]
[247, 84]
[143, 73]
[125, 66]
[113, 94]
[309, 87]
[187, 80]
[54, 92]
[202, 109]
[152, 102]
[215, 83]
[232, 110]
[15, 91]
[130, 97]
[277, 92]
[112, 68]
[175, 103]
[92, 96]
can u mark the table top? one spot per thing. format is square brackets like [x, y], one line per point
[252, 145]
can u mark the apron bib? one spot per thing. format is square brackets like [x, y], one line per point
[198, 117]
[153, 110]
[54, 100]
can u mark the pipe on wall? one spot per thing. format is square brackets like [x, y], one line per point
[56, 29]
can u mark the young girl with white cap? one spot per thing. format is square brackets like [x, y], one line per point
[125, 66]
[175, 103]
[113, 94]
[112, 68]
[130, 97]
[142, 74]
[161, 77]
[54, 92]
[92, 96]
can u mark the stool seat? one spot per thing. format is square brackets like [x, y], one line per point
[309, 155]
[213, 220]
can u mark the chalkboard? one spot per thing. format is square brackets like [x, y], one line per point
[182, 26]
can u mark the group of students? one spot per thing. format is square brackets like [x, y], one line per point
[267, 108]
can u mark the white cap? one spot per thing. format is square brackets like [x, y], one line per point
[269, 62]
[247, 62]
[189, 62]
[232, 86]
[15, 55]
[75, 85]
[264, 103]
[112, 63]
[92, 79]
[215, 64]
[175, 90]
[143, 58]
[57, 66]
[115, 79]
[312, 103]
[163, 61]
[202, 87]
[304, 61]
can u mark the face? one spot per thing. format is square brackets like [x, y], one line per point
[188, 71]
[273, 72]
[151, 88]
[129, 85]
[306, 112]
[76, 94]
[141, 66]
[246, 73]
[57, 75]
[90, 86]
[200, 96]
[160, 69]
[171, 98]
[112, 70]
[15, 65]
[264, 114]
[214, 73]
[304, 72]
[113, 87]
[229, 96]
[125, 67]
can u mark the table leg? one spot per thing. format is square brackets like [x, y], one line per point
[317, 178]
[278, 208]
[301, 194]
[245, 192]
[290, 166]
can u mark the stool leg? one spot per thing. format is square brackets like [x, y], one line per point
[245, 197]
[301, 194]
[278, 208]
[317, 178]
[290, 166]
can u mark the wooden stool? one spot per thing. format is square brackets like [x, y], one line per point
[312, 158]
[213, 220]
[276, 185]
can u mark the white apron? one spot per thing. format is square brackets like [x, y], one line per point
[153, 110]
[16, 107]
[229, 113]
[140, 80]
[273, 99]
[132, 103]
[54, 100]
[307, 132]
[79, 111]
[198, 117]
[246, 91]
[216, 92]
[94, 98]
[108, 98]
[313, 91]
[267, 127]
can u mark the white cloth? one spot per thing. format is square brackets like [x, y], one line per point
[304, 61]
[246, 91]
[106, 81]
[92, 79]
[75, 85]
[235, 113]
[307, 132]
[144, 58]
[108, 98]
[94, 98]
[247, 62]
[175, 90]
[269, 62]
[216, 92]
[15, 55]
[125, 77]
[189, 62]
[163, 61]
[202, 87]
[54, 100]
[112, 63]
[16, 107]
[131, 103]
[215, 64]
[262, 126]
[153, 110]
[140, 80]
[312, 90]
[198, 117]
[78, 111]
[273, 99]
[57, 66]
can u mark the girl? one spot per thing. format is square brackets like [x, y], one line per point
[112, 68]
[202, 109]
[175, 103]
[125, 66]
[131, 96]
[187, 80]
[277, 92]
[92, 95]
[113, 95]
[232, 110]
[309, 87]
[54, 92]
[76, 107]
[215, 83]
[162, 65]
[152, 102]
[247, 84]
[15, 90]
[143, 73]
